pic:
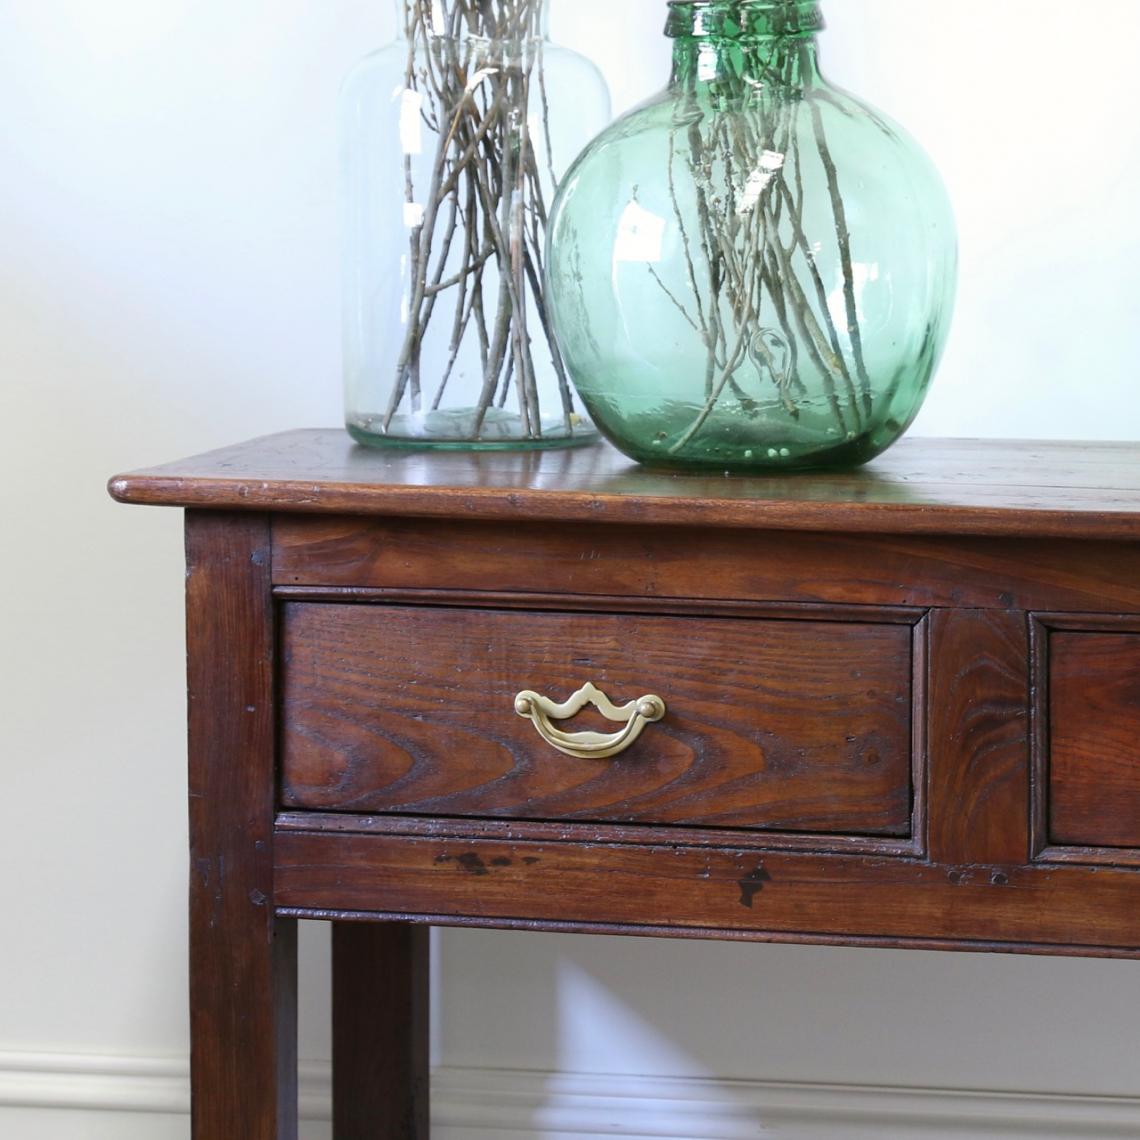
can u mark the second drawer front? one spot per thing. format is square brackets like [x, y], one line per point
[801, 726]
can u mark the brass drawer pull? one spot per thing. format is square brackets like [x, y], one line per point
[589, 745]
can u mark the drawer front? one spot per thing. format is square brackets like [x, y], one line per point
[789, 725]
[1094, 738]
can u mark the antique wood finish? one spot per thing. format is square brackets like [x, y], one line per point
[902, 710]
[1093, 734]
[603, 560]
[380, 1031]
[242, 957]
[919, 487]
[621, 887]
[789, 725]
[978, 707]
[572, 831]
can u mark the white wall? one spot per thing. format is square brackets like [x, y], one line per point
[168, 283]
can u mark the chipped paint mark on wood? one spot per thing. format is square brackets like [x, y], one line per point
[469, 861]
[752, 885]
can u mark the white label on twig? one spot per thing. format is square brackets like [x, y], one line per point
[759, 180]
[411, 122]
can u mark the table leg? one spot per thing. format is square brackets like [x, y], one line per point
[380, 1031]
[244, 1033]
[243, 983]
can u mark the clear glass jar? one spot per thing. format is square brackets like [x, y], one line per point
[753, 270]
[454, 137]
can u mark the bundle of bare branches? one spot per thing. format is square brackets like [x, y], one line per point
[475, 69]
[746, 147]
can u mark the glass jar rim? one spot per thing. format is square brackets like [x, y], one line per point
[744, 19]
[531, 19]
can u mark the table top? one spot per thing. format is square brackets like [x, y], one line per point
[922, 486]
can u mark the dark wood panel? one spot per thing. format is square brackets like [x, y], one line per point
[800, 897]
[646, 562]
[705, 934]
[1094, 738]
[978, 705]
[242, 957]
[790, 725]
[565, 831]
[1063, 490]
[380, 1032]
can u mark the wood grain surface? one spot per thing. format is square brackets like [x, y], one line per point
[802, 726]
[243, 959]
[688, 562]
[381, 1055]
[922, 486]
[809, 896]
[1094, 738]
[903, 710]
[978, 709]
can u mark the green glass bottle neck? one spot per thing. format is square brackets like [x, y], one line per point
[757, 63]
[750, 41]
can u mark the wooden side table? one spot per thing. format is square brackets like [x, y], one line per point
[896, 707]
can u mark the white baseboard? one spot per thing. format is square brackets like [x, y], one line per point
[479, 1104]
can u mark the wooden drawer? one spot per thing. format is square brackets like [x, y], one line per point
[1092, 733]
[789, 725]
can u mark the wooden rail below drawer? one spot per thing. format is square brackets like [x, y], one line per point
[719, 892]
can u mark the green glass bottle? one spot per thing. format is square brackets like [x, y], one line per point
[753, 270]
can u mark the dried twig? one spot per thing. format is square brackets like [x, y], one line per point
[475, 66]
[744, 142]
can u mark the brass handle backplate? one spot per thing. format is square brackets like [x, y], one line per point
[589, 745]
